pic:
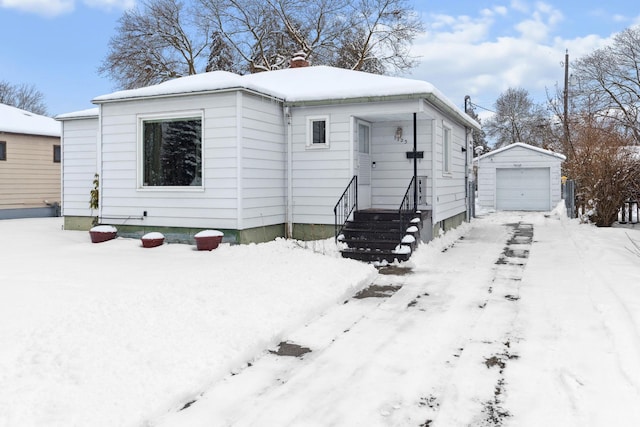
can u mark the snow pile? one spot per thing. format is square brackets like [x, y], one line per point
[111, 334]
[520, 319]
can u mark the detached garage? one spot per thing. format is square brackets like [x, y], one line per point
[519, 177]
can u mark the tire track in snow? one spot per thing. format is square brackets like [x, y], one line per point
[490, 341]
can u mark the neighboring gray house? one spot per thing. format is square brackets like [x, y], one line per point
[267, 154]
[29, 164]
[519, 177]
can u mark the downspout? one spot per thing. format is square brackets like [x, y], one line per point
[415, 162]
[434, 171]
[99, 161]
[287, 118]
[239, 165]
[62, 169]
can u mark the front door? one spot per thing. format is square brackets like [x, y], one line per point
[363, 137]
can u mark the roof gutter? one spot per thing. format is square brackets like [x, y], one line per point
[180, 94]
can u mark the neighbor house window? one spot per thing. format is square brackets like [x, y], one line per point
[446, 149]
[57, 156]
[3, 150]
[172, 151]
[318, 132]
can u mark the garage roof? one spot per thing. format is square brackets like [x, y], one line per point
[562, 157]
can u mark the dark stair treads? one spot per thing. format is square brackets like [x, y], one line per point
[376, 235]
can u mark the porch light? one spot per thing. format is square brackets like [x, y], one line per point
[398, 136]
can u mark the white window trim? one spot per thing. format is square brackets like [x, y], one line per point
[310, 145]
[447, 150]
[140, 148]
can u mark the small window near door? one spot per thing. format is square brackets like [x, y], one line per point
[363, 138]
[446, 150]
[318, 132]
[57, 156]
[3, 150]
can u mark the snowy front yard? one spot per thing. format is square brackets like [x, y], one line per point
[515, 320]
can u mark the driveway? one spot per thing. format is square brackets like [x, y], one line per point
[513, 320]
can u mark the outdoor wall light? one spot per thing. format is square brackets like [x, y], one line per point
[398, 134]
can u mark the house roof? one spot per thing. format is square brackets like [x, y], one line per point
[15, 120]
[82, 114]
[522, 145]
[298, 85]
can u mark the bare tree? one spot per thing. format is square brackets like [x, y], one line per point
[605, 170]
[23, 96]
[609, 80]
[383, 31]
[156, 41]
[163, 39]
[518, 119]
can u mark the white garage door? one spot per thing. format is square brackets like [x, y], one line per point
[523, 189]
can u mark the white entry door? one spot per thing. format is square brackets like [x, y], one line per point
[363, 137]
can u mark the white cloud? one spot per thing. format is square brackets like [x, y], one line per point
[482, 55]
[111, 4]
[542, 21]
[51, 8]
[41, 7]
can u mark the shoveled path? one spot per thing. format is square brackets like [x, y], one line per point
[422, 347]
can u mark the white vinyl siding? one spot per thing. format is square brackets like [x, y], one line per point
[450, 197]
[79, 161]
[263, 162]
[393, 170]
[215, 205]
[321, 176]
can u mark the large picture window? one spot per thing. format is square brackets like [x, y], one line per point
[172, 152]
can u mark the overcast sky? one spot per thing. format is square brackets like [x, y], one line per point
[476, 47]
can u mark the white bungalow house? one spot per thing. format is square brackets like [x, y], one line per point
[268, 154]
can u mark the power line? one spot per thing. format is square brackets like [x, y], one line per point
[481, 107]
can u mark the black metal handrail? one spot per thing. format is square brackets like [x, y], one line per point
[347, 203]
[408, 205]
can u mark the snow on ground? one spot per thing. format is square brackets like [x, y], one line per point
[111, 334]
[517, 319]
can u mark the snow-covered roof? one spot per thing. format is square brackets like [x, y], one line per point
[15, 120]
[522, 145]
[305, 84]
[82, 114]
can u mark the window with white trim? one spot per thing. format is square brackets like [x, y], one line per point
[446, 149]
[171, 151]
[3, 150]
[318, 132]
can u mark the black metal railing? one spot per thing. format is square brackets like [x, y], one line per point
[407, 206]
[629, 213]
[347, 203]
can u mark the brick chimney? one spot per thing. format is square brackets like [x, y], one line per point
[299, 60]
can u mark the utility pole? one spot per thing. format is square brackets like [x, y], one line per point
[565, 121]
